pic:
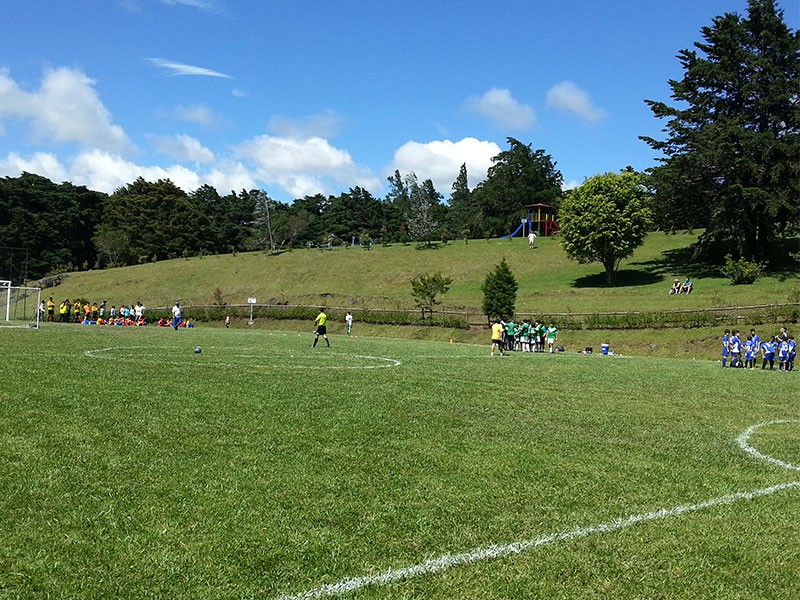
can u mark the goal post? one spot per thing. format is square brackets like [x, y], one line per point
[19, 305]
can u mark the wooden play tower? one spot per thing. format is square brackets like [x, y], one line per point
[542, 219]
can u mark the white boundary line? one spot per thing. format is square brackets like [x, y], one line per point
[447, 561]
[389, 362]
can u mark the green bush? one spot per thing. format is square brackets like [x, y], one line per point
[741, 271]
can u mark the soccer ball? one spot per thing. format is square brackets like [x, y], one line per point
[198, 350]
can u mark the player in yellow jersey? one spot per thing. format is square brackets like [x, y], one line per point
[322, 329]
[497, 336]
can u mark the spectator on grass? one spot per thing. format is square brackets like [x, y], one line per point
[676, 287]
[686, 287]
[176, 315]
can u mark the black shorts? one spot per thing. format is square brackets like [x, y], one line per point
[498, 342]
[322, 330]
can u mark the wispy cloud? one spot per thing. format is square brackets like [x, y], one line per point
[570, 98]
[175, 68]
[502, 109]
[324, 125]
[207, 5]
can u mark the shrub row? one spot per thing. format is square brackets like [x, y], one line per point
[643, 320]
[302, 313]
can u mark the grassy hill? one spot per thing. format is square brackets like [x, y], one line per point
[352, 277]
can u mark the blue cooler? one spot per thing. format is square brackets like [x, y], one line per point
[604, 349]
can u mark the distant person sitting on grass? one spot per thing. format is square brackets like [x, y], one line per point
[676, 287]
[686, 286]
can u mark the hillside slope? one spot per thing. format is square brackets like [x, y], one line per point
[379, 278]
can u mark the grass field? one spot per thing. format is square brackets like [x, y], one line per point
[131, 467]
[352, 277]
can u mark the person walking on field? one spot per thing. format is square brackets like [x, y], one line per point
[177, 316]
[349, 321]
[531, 239]
[322, 329]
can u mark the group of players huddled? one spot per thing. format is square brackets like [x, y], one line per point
[743, 353]
[526, 336]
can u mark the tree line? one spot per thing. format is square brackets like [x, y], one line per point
[66, 227]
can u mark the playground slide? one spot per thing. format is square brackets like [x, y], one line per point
[515, 231]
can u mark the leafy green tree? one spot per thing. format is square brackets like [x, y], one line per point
[732, 146]
[427, 288]
[519, 176]
[159, 219]
[230, 217]
[499, 292]
[54, 222]
[605, 220]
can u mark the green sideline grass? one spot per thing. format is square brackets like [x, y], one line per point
[252, 470]
[379, 278]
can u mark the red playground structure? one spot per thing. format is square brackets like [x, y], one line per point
[542, 219]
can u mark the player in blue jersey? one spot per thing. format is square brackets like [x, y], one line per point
[726, 347]
[783, 355]
[792, 353]
[736, 349]
[768, 353]
[749, 353]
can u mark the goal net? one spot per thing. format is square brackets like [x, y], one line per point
[19, 306]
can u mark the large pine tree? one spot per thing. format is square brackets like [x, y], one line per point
[733, 147]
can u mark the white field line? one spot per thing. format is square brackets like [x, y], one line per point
[447, 561]
[282, 364]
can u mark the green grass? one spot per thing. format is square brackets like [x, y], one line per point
[345, 277]
[254, 469]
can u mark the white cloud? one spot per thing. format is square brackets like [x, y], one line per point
[324, 125]
[571, 185]
[440, 161]
[570, 98]
[40, 163]
[238, 93]
[183, 148]
[502, 109]
[106, 172]
[65, 109]
[176, 68]
[304, 166]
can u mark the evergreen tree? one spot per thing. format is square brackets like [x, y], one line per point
[733, 148]
[519, 176]
[464, 211]
[499, 292]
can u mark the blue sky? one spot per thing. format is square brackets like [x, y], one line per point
[304, 97]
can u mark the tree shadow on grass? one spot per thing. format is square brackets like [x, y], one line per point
[625, 278]
[680, 262]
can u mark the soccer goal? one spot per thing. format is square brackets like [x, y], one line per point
[19, 306]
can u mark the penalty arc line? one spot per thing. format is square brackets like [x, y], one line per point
[447, 561]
